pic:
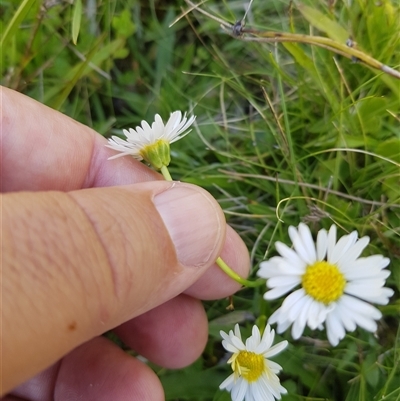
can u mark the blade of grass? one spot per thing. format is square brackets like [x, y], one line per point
[78, 74]
[320, 21]
[76, 20]
[15, 22]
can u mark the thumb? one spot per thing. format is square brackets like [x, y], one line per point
[80, 263]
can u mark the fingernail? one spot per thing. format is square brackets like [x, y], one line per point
[193, 220]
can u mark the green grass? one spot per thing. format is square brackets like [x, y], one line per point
[285, 133]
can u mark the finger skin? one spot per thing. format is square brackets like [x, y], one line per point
[214, 283]
[173, 335]
[39, 388]
[105, 373]
[30, 152]
[58, 153]
[84, 263]
[97, 370]
[42, 149]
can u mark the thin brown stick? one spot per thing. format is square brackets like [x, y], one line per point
[307, 185]
[239, 32]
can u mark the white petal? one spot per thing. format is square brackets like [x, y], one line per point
[239, 390]
[293, 301]
[230, 347]
[383, 299]
[334, 328]
[345, 261]
[254, 340]
[238, 343]
[360, 307]
[331, 241]
[145, 126]
[274, 318]
[145, 134]
[279, 281]
[322, 244]
[370, 293]
[276, 349]
[277, 292]
[364, 314]
[172, 123]
[323, 311]
[228, 382]
[299, 245]
[158, 128]
[177, 126]
[270, 268]
[342, 247]
[302, 317]
[281, 320]
[365, 288]
[346, 316]
[238, 334]
[308, 242]
[367, 267]
[287, 269]
[316, 315]
[266, 340]
[261, 392]
[283, 324]
[269, 386]
[275, 367]
[292, 258]
[298, 328]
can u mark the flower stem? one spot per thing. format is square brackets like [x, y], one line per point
[165, 173]
[227, 270]
[224, 267]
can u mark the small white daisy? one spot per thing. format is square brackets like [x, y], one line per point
[152, 143]
[254, 376]
[334, 283]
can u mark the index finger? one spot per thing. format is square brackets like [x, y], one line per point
[43, 149]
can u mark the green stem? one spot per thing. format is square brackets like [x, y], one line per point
[224, 267]
[165, 173]
[247, 283]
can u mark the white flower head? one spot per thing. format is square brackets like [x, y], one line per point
[336, 285]
[254, 376]
[151, 143]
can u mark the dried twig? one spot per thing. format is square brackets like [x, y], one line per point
[241, 176]
[238, 31]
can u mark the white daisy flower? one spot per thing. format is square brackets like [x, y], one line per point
[152, 143]
[254, 376]
[336, 285]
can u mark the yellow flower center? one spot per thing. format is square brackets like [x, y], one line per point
[157, 153]
[324, 282]
[249, 365]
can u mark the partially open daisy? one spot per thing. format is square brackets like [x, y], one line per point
[151, 143]
[334, 283]
[254, 376]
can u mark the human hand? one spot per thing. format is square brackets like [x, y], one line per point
[91, 245]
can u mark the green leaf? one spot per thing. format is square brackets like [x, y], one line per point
[123, 24]
[369, 111]
[76, 20]
[15, 22]
[165, 49]
[183, 384]
[303, 59]
[94, 58]
[320, 21]
[222, 395]
[72, 82]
